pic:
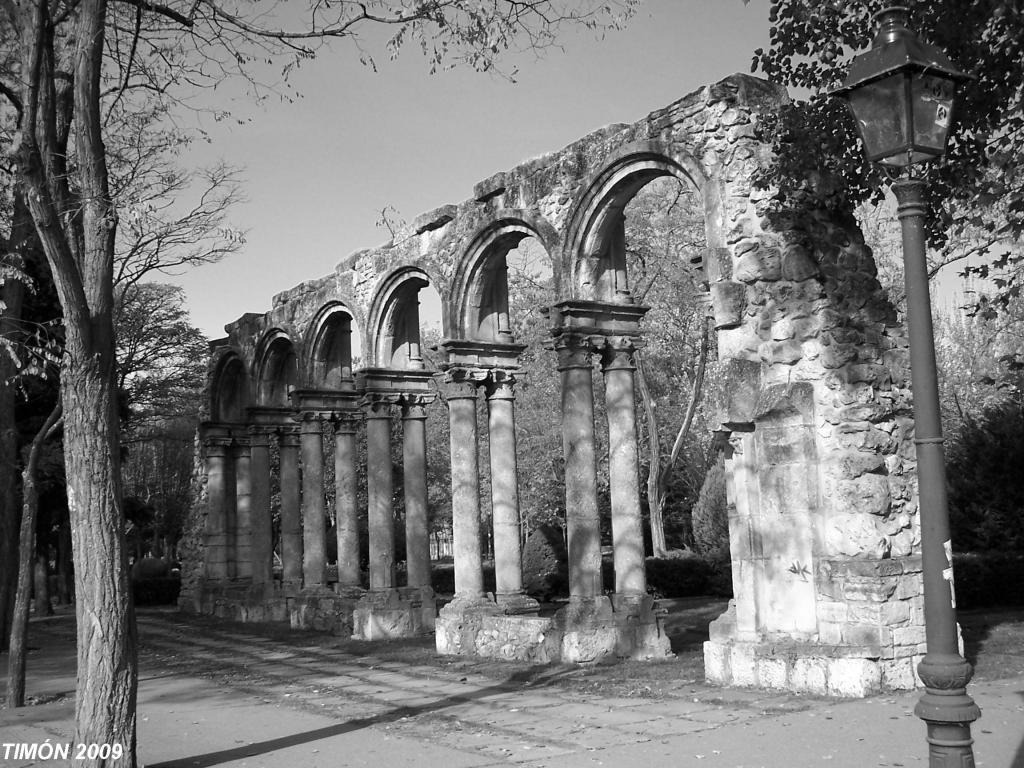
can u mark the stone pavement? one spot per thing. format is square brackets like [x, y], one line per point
[220, 695]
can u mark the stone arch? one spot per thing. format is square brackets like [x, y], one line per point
[394, 323]
[330, 342]
[231, 393]
[595, 247]
[480, 299]
[276, 369]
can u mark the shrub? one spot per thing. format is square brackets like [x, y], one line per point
[546, 564]
[156, 590]
[988, 578]
[688, 575]
[711, 515]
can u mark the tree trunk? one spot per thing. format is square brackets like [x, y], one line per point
[64, 571]
[655, 487]
[41, 579]
[26, 550]
[12, 294]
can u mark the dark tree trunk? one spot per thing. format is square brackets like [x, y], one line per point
[26, 550]
[41, 581]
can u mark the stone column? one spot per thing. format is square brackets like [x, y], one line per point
[460, 391]
[508, 558]
[379, 490]
[291, 521]
[243, 511]
[345, 494]
[220, 494]
[624, 467]
[414, 468]
[314, 534]
[260, 526]
[581, 512]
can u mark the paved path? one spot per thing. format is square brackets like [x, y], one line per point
[218, 695]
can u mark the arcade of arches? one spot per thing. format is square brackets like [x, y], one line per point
[823, 525]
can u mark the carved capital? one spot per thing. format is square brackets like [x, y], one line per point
[345, 422]
[259, 436]
[217, 446]
[414, 405]
[617, 352]
[501, 385]
[310, 422]
[289, 437]
[377, 405]
[460, 383]
[574, 350]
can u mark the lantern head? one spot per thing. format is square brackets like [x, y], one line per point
[901, 93]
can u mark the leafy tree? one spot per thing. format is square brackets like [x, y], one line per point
[976, 195]
[66, 70]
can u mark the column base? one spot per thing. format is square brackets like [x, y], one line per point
[517, 603]
[849, 670]
[392, 613]
[585, 631]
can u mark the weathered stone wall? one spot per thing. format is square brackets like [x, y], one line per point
[822, 510]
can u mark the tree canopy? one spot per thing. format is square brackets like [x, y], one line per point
[976, 194]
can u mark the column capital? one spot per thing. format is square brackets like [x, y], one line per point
[617, 352]
[311, 422]
[501, 385]
[574, 350]
[377, 405]
[345, 422]
[259, 435]
[289, 437]
[217, 446]
[414, 404]
[460, 383]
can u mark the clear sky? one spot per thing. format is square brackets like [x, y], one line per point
[320, 170]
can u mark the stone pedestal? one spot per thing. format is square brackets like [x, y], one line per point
[585, 631]
[392, 613]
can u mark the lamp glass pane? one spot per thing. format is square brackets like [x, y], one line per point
[882, 116]
[933, 108]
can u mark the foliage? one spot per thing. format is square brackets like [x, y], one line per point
[545, 563]
[156, 590]
[977, 195]
[988, 578]
[986, 487]
[711, 514]
[688, 575]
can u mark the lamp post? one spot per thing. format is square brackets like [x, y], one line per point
[902, 94]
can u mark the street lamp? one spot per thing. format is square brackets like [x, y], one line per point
[902, 94]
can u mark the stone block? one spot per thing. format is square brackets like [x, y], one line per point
[728, 300]
[833, 611]
[853, 678]
[809, 676]
[772, 673]
[798, 264]
[912, 635]
[716, 663]
[899, 674]
[742, 666]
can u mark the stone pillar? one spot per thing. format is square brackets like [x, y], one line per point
[508, 558]
[624, 467]
[260, 525]
[314, 533]
[220, 494]
[345, 496]
[380, 490]
[581, 512]
[460, 391]
[414, 468]
[291, 521]
[243, 511]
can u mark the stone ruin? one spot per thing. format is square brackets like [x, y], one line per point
[821, 487]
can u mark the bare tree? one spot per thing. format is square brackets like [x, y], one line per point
[76, 63]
